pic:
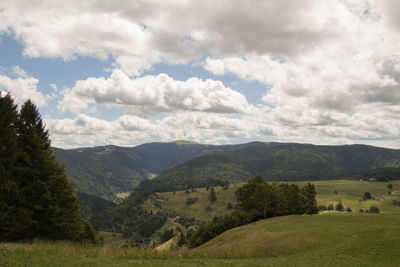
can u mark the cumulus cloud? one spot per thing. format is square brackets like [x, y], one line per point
[22, 88]
[140, 33]
[154, 94]
[347, 89]
[130, 129]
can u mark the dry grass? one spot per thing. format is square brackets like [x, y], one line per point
[255, 240]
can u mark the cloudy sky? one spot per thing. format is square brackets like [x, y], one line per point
[225, 71]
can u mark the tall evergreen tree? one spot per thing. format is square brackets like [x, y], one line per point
[43, 194]
[8, 137]
[14, 219]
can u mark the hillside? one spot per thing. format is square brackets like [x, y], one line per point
[92, 205]
[319, 240]
[275, 162]
[108, 170]
[335, 239]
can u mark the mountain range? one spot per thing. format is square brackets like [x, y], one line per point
[108, 171]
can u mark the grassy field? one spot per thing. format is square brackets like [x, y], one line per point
[332, 239]
[349, 192]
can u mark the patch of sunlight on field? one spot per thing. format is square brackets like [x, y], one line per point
[123, 195]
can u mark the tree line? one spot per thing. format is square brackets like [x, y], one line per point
[36, 198]
[257, 200]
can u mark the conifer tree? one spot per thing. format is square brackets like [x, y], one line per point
[14, 219]
[42, 203]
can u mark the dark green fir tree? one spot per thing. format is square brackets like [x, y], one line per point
[14, 219]
[41, 192]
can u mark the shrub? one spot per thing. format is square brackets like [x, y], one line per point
[190, 201]
[339, 207]
[374, 209]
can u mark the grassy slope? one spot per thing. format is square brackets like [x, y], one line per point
[177, 202]
[322, 240]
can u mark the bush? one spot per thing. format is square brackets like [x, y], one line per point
[374, 209]
[213, 195]
[190, 201]
[339, 207]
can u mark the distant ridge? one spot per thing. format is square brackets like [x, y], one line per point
[184, 142]
[275, 162]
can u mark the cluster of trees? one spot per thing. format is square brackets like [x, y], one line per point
[396, 202]
[36, 198]
[383, 174]
[372, 209]
[256, 200]
[338, 207]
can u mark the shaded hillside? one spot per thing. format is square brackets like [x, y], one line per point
[108, 170]
[92, 205]
[275, 162]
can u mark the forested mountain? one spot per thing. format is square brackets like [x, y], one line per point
[108, 170]
[275, 162]
[105, 171]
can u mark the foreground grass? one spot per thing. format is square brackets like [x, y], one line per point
[322, 240]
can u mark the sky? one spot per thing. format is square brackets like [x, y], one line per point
[219, 72]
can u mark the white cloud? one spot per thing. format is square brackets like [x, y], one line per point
[22, 88]
[154, 94]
